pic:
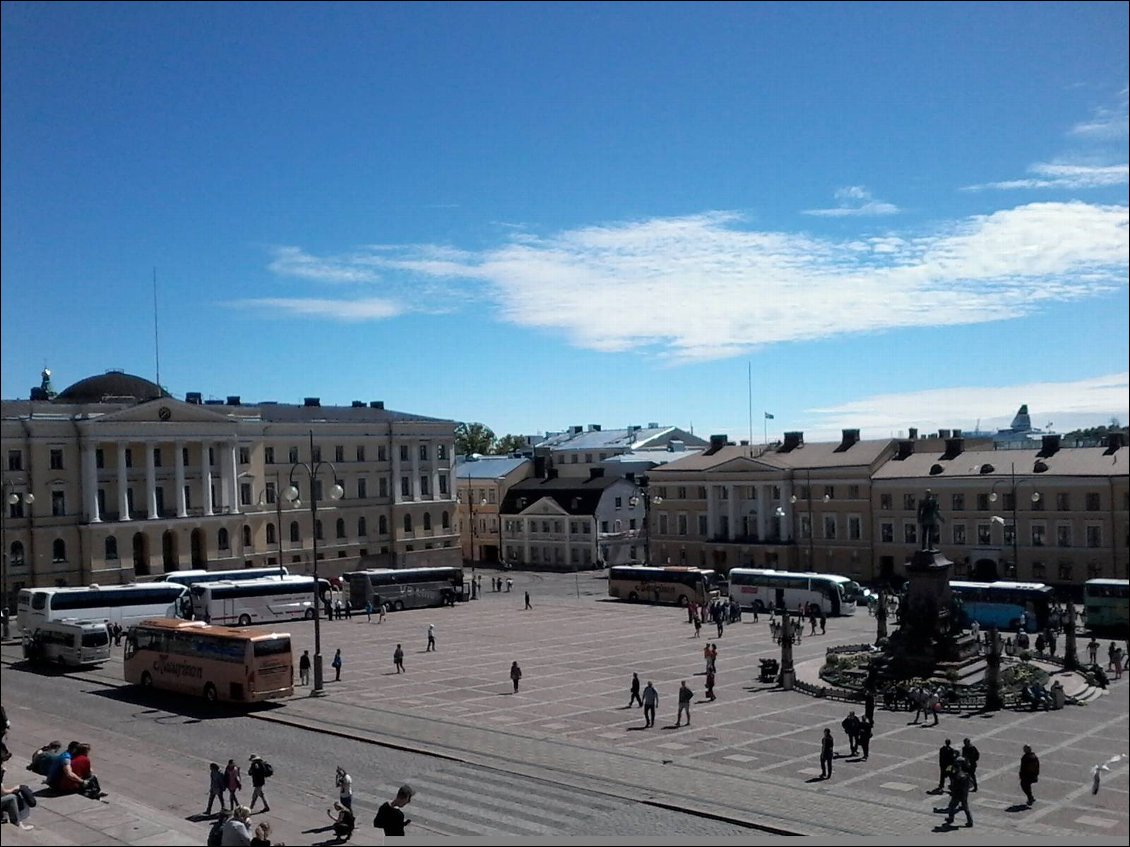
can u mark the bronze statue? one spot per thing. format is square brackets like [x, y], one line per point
[929, 519]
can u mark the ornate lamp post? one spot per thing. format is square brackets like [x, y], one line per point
[1013, 485]
[993, 700]
[785, 639]
[643, 483]
[313, 469]
[11, 498]
[278, 520]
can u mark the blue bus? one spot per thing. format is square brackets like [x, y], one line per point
[1002, 604]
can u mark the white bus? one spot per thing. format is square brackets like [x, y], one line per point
[122, 604]
[190, 578]
[257, 600]
[405, 588]
[764, 589]
[213, 662]
[662, 584]
[70, 642]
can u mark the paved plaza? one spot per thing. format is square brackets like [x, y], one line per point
[750, 757]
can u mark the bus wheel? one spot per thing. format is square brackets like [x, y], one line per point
[146, 679]
[683, 600]
[245, 620]
[398, 605]
[633, 597]
[309, 614]
[210, 693]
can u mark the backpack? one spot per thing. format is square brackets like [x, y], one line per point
[216, 834]
[268, 771]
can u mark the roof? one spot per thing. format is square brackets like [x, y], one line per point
[116, 384]
[575, 496]
[994, 464]
[488, 467]
[280, 413]
[824, 454]
[623, 438]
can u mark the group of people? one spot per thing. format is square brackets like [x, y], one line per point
[67, 770]
[229, 782]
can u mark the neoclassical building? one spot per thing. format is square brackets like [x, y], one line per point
[114, 480]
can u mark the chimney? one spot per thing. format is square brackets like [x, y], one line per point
[551, 473]
[1050, 446]
[653, 425]
[312, 401]
[954, 448]
[193, 397]
[850, 437]
[596, 473]
[792, 441]
[943, 433]
[905, 450]
[676, 445]
[594, 427]
[957, 433]
[376, 404]
[744, 442]
[577, 428]
[539, 467]
[913, 434]
[357, 404]
[717, 442]
[1114, 442]
[233, 399]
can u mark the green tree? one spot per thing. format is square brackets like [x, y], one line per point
[473, 438]
[509, 444]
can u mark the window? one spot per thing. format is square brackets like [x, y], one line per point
[293, 455]
[1094, 504]
[443, 486]
[703, 525]
[427, 521]
[271, 534]
[1039, 533]
[269, 455]
[222, 539]
[662, 523]
[404, 452]
[270, 493]
[1094, 536]
[1066, 571]
[16, 510]
[156, 457]
[15, 460]
[445, 520]
[111, 548]
[425, 485]
[588, 458]
[806, 526]
[362, 527]
[984, 534]
[681, 492]
[1008, 502]
[362, 488]
[59, 550]
[1039, 570]
[100, 458]
[295, 532]
[702, 492]
[339, 453]
[341, 527]
[405, 487]
[423, 452]
[382, 453]
[360, 452]
[887, 532]
[16, 553]
[983, 502]
[829, 526]
[58, 504]
[407, 523]
[957, 503]
[382, 525]
[885, 502]
[959, 533]
[619, 502]
[1063, 502]
[855, 527]
[245, 494]
[441, 451]
[853, 492]
[829, 492]
[245, 455]
[1063, 535]
[318, 531]
[1094, 570]
[57, 460]
[682, 524]
[724, 492]
[183, 456]
[246, 536]
[910, 533]
[909, 502]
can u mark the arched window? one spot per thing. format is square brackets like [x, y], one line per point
[318, 530]
[246, 535]
[270, 533]
[382, 525]
[427, 520]
[362, 528]
[16, 556]
[407, 523]
[222, 539]
[445, 520]
[295, 534]
[111, 547]
[341, 527]
[59, 550]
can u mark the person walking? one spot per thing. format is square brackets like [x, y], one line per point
[827, 754]
[528, 604]
[710, 684]
[215, 788]
[946, 757]
[972, 756]
[866, 729]
[258, 770]
[823, 621]
[304, 668]
[368, 611]
[336, 665]
[635, 691]
[851, 730]
[515, 675]
[431, 638]
[390, 816]
[650, 703]
[869, 705]
[959, 793]
[714, 657]
[935, 706]
[685, 696]
[1029, 773]
[398, 659]
[344, 783]
[380, 607]
[232, 782]
[697, 626]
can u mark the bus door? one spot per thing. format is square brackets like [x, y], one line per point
[779, 601]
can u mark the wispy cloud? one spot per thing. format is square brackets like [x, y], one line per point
[369, 309]
[293, 261]
[855, 201]
[1064, 405]
[1107, 123]
[1050, 175]
[700, 287]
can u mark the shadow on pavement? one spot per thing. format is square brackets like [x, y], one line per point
[178, 704]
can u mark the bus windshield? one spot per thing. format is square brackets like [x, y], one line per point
[1106, 603]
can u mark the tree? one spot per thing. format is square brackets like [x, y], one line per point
[473, 438]
[509, 444]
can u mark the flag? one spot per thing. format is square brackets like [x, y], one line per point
[768, 416]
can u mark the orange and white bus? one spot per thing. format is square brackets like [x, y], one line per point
[214, 662]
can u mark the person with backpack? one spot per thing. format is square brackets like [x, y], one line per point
[971, 755]
[336, 665]
[259, 771]
[685, 696]
[389, 817]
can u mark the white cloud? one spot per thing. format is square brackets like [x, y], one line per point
[1068, 176]
[372, 308]
[293, 261]
[1063, 405]
[1106, 123]
[855, 201]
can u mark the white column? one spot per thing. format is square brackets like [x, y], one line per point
[787, 505]
[182, 507]
[89, 482]
[123, 483]
[415, 472]
[435, 482]
[150, 482]
[765, 508]
[205, 478]
[395, 448]
[233, 480]
[732, 512]
[526, 540]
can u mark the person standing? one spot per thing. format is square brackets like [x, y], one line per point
[304, 668]
[685, 696]
[650, 702]
[709, 685]
[431, 638]
[528, 604]
[866, 728]
[258, 772]
[959, 794]
[697, 626]
[336, 665]
[635, 691]
[215, 788]
[389, 817]
[233, 783]
[344, 783]
[398, 659]
[946, 757]
[1093, 650]
[827, 754]
[869, 705]
[970, 755]
[823, 621]
[515, 675]
[1029, 773]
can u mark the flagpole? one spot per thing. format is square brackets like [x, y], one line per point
[749, 366]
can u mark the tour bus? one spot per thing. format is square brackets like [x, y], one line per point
[1107, 605]
[1000, 604]
[662, 584]
[764, 589]
[213, 662]
[251, 601]
[122, 604]
[404, 588]
[190, 578]
[69, 641]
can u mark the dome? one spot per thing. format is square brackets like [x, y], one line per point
[112, 384]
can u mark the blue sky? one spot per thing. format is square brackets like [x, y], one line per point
[533, 216]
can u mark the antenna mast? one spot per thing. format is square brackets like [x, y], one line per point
[156, 339]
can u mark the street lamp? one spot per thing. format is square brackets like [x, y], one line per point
[312, 470]
[1013, 485]
[471, 510]
[811, 524]
[278, 521]
[644, 485]
[11, 498]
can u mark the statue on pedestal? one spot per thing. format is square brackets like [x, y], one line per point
[929, 520]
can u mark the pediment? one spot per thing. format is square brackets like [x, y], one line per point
[545, 506]
[744, 464]
[165, 410]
